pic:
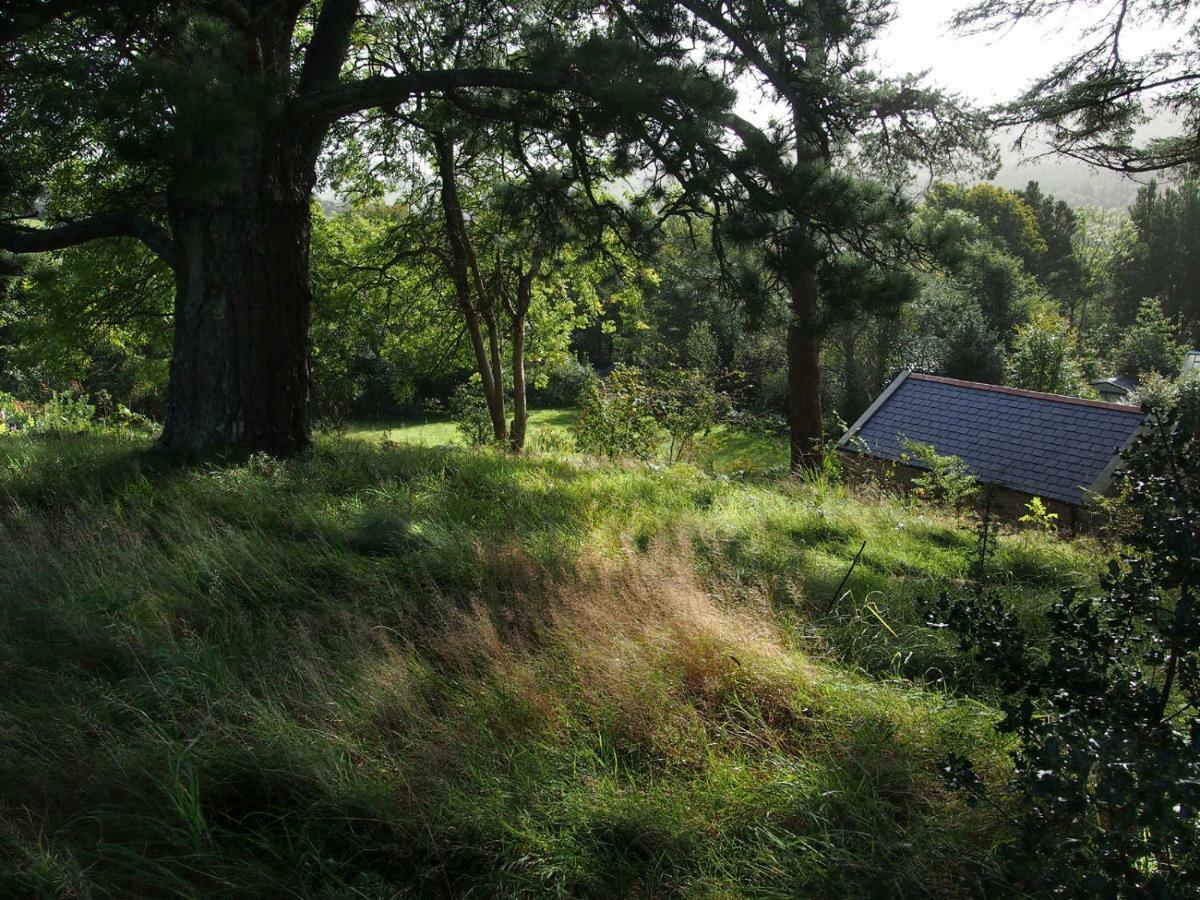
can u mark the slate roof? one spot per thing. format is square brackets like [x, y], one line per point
[1042, 444]
[1191, 362]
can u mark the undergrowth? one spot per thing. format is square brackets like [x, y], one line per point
[383, 671]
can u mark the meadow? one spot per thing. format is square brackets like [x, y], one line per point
[385, 669]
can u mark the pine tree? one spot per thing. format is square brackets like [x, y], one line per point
[819, 192]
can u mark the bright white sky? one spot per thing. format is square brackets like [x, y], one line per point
[994, 67]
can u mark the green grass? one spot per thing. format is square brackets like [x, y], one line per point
[384, 670]
[437, 431]
[725, 451]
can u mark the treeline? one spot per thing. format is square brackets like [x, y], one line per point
[522, 288]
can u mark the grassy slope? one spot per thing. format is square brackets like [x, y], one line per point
[408, 669]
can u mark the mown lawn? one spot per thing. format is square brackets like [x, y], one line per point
[383, 670]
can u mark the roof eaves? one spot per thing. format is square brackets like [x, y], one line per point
[875, 406]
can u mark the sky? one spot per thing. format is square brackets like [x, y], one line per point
[987, 68]
[997, 67]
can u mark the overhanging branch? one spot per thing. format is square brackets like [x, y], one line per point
[349, 97]
[23, 239]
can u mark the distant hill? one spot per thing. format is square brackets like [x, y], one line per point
[1076, 183]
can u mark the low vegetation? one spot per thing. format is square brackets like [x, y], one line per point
[381, 669]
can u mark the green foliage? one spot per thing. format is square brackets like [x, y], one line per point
[1037, 516]
[552, 441]
[65, 413]
[1058, 269]
[1178, 398]
[1007, 218]
[1157, 393]
[1044, 358]
[70, 412]
[1187, 402]
[469, 410]
[701, 352]
[1150, 345]
[380, 331]
[565, 382]
[1162, 256]
[946, 481]
[945, 332]
[15, 415]
[617, 417]
[687, 404]
[95, 317]
[1105, 701]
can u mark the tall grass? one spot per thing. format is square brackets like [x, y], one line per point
[373, 672]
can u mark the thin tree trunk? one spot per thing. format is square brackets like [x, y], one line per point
[519, 310]
[497, 401]
[520, 408]
[854, 395]
[486, 354]
[804, 373]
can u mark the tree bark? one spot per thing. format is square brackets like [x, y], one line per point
[520, 419]
[487, 357]
[240, 369]
[496, 401]
[804, 373]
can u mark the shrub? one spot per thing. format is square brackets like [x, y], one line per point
[946, 481]
[701, 349]
[65, 413]
[1044, 358]
[1166, 396]
[564, 383]
[1187, 403]
[469, 410]
[1038, 516]
[1107, 707]
[616, 417]
[688, 404]
[16, 415]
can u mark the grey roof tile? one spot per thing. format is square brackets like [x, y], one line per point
[1043, 444]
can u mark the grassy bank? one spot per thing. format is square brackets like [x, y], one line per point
[384, 670]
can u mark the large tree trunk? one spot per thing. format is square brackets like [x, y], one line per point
[239, 374]
[804, 373]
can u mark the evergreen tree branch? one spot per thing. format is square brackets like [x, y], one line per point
[23, 239]
[334, 102]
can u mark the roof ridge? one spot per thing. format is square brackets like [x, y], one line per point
[1036, 395]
